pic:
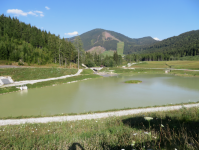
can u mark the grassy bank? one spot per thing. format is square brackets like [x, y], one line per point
[166, 64]
[168, 130]
[185, 73]
[134, 71]
[50, 83]
[19, 74]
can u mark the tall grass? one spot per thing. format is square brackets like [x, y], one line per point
[168, 130]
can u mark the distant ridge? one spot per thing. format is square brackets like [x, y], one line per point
[185, 44]
[108, 40]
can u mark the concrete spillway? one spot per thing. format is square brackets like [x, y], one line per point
[5, 80]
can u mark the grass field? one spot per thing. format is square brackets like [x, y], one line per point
[87, 71]
[132, 71]
[108, 53]
[192, 58]
[167, 131]
[167, 64]
[120, 48]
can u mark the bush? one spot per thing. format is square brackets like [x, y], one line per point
[90, 63]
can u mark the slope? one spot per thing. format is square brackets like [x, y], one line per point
[186, 44]
[109, 39]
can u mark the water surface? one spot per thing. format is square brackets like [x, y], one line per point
[101, 94]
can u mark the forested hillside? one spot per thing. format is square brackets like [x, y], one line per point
[186, 44]
[109, 39]
[20, 41]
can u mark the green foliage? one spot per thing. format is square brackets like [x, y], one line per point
[90, 63]
[20, 41]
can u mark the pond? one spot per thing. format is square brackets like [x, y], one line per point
[101, 94]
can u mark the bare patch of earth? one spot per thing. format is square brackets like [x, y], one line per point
[108, 35]
[97, 49]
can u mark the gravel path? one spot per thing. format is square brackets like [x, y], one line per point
[90, 116]
[12, 66]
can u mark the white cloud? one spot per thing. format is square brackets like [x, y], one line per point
[40, 12]
[155, 38]
[18, 12]
[71, 34]
[47, 7]
[32, 13]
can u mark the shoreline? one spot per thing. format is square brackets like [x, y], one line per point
[94, 115]
[41, 80]
[50, 85]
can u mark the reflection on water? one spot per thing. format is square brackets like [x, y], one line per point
[100, 94]
[23, 92]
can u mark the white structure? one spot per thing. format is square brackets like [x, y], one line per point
[84, 66]
[22, 87]
[5, 80]
[167, 71]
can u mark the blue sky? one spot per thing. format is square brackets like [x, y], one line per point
[133, 18]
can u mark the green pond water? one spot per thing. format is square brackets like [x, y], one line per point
[101, 94]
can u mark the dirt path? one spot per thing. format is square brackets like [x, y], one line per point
[91, 116]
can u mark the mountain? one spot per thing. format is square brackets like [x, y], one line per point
[184, 44]
[101, 40]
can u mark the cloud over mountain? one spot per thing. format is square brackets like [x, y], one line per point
[19, 12]
[72, 34]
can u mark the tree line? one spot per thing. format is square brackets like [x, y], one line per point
[100, 60]
[186, 44]
[26, 43]
[20, 41]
